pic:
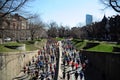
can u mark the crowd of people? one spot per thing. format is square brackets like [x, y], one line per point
[72, 65]
[43, 65]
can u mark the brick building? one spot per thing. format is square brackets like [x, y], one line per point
[14, 22]
[14, 26]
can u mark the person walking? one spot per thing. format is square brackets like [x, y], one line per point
[48, 78]
[81, 75]
[52, 74]
[76, 75]
[28, 70]
[72, 65]
[24, 69]
[63, 74]
[76, 66]
[42, 77]
[68, 76]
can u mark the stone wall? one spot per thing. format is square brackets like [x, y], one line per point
[102, 66]
[11, 63]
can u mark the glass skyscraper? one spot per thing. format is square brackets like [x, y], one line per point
[89, 19]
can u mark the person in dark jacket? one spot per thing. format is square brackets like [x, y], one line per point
[68, 76]
[63, 74]
[81, 75]
[76, 75]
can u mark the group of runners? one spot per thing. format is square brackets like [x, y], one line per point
[43, 65]
[72, 65]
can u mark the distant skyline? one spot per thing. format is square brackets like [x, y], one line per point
[89, 19]
[69, 12]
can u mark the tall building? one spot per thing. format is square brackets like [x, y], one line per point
[89, 19]
[15, 21]
[14, 27]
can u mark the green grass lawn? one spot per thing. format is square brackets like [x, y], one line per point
[79, 44]
[34, 46]
[30, 45]
[75, 41]
[102, 47]
[59, 39]
[12, 44]
[3, 47]
[118, 45]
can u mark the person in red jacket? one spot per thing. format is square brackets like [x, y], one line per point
[76, 65]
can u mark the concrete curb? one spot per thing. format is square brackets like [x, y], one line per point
[60, 62]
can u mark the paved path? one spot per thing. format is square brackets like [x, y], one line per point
[67, 68]
[49, 50]
[60, 61]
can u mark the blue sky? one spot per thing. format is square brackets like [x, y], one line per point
[69, 12]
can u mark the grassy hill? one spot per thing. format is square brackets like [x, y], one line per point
[101, 47]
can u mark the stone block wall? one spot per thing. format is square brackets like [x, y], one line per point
[102, 66]
[11, 64]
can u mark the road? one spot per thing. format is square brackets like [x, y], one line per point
[64, 50]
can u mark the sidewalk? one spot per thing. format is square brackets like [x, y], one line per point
[60, 62]
[67, 68]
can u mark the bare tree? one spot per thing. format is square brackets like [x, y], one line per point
[36, 27]
[10, 6]
[61, 30]
[53, 30]
[115, 4]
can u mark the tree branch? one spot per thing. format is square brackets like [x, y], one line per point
[11, 6]
[114, 7]
[3, 4]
